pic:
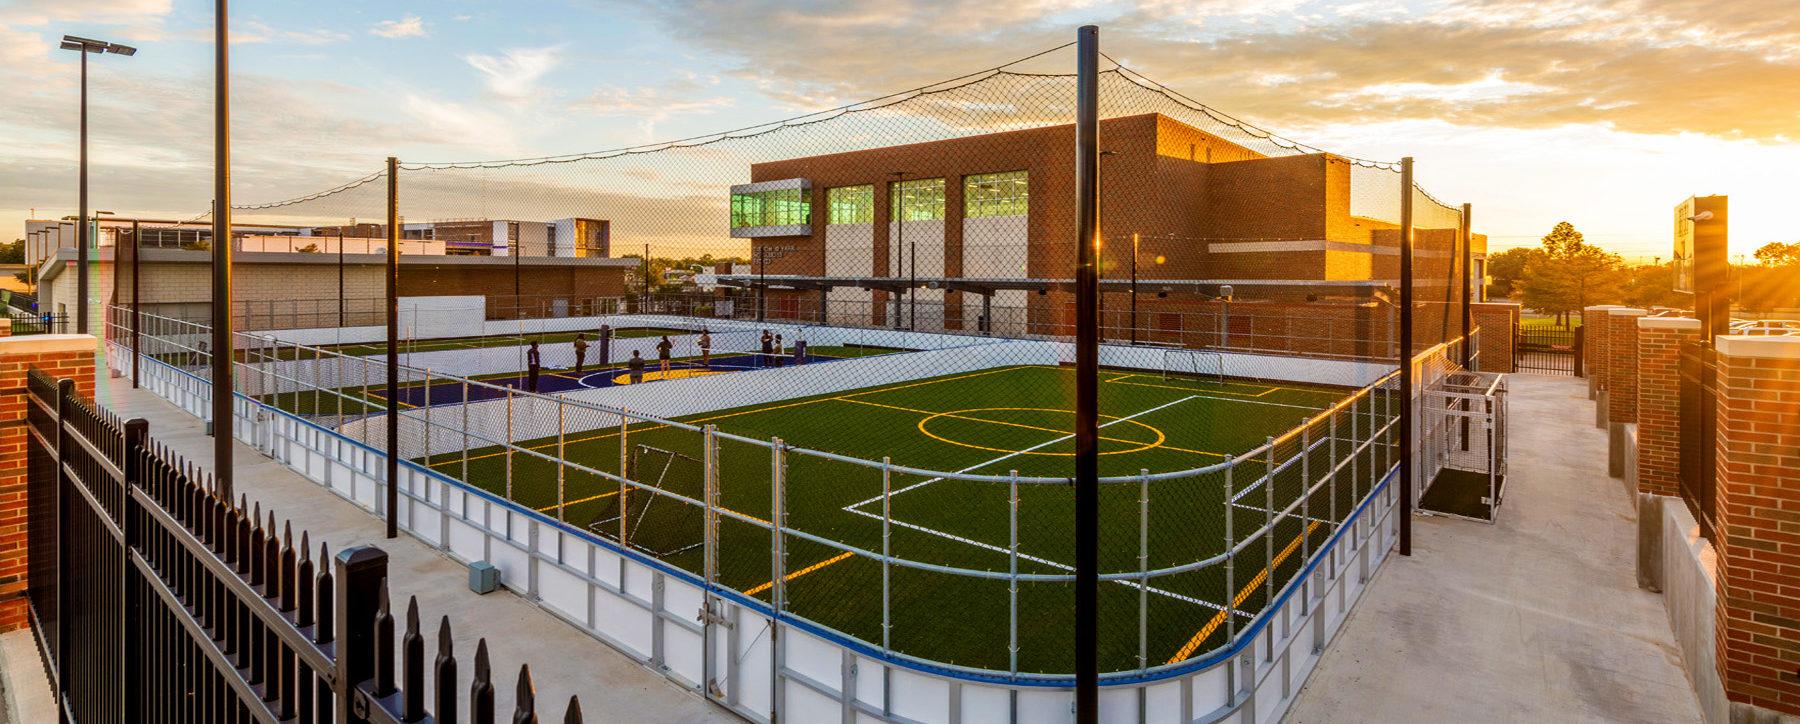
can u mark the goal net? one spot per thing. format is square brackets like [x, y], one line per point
[657, 524]
[1197, 363]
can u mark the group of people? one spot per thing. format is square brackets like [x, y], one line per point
[775, 353]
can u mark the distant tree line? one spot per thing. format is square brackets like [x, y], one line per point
[1564, 274]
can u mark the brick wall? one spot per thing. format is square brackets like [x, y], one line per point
[61, 355]
[1758, 488]
[1499, 324]
[1621, 364]
[1659, 341]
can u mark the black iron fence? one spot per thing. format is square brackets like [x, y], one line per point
[1699, 430]
[1548, 350]
[38, 323]
[156, 600]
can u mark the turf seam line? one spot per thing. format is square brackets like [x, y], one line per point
[1242, 594]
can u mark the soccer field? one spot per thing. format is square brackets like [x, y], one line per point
[989, 422]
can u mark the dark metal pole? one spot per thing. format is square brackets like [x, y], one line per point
[762, 278]
[1468, 281]
[1134, 256]
[393, 349]
[514, 245]
[1406, 355]
[137, 320]
[912, 289]
[1087, 368]
[340, 277]
[81, 223]
[222, 356]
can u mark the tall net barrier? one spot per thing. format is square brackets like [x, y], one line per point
[825, 362]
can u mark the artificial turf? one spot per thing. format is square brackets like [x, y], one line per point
[986, 422]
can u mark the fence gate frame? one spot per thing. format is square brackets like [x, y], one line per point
[1697, 427]
[1547, 351]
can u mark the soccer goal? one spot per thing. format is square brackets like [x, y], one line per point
[1201, 363]
[657, 524]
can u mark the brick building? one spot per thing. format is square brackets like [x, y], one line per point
[975, 229]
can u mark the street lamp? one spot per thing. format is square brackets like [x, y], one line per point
[86, 46]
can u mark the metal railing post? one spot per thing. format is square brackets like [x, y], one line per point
[1012, 569]
[360, 575]
[887, 521]
[624, 475]
[1269, 526]
[562, 462]
[132, 662]
[1144, 569]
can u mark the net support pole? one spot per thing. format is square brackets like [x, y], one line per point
[778, 577]
[1087, 364]
[393, 347]
[624, 475]
[221, 251]
[137, 319]
[562, 462]
[1467, 283]
[1406, 355]
[1230, 570]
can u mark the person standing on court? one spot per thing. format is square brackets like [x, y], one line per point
[662, 355]
[780, 350]
[581, 346]
[705, 348]
[533, 363]
[768, 343]
[636, 366]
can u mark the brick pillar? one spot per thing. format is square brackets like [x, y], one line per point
[1758, 493]
[1659, 344]
[1593, 354]
[61, 355]
[1498, 323]
[1622, 364]
[5, 326]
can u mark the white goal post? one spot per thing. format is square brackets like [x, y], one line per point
[1193, 363]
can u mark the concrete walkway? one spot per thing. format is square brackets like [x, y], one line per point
[564, 661]
[1537, 618]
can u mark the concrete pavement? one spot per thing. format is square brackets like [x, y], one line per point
[1536, 618]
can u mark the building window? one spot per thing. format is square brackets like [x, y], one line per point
[779, 207]
[918, 200]
[851, 204]
[995, 194]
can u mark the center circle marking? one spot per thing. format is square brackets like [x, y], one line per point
[958, 413]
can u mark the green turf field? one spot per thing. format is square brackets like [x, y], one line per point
[986, 422]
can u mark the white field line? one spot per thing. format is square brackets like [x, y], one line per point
[1036, 559]
[1014, 454]
[854, 508]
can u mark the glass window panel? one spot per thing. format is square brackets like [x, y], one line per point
[919, 199]
[781, 207]
[851, 204]
[995, 194]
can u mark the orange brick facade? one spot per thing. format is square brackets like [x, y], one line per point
[1621, 333]
[17, 355]
[1758, 488]
[1499, 325]
[1658, 373]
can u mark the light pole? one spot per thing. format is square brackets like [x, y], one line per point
[86, 46]
[1134, 256]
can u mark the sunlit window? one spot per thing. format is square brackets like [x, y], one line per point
[851, 204]
[919, 199]
[995, 194]
[780, 207]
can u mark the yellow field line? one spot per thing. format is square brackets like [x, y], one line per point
[589, 499]
[1242, 594]
[955, 416]
[799, 573]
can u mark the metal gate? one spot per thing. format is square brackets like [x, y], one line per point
[1699, 432]
[1548, 351]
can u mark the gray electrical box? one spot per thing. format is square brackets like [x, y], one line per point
[483, 577]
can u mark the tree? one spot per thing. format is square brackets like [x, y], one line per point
[1653, 285]
[308, 249]
[1567, 274]
[1505, 268]
[13, 253]
[1778, 254]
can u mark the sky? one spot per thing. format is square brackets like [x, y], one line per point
[1604, 113]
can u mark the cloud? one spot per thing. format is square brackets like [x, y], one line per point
[1730, 70]
[651, 105]
[257, 31]
[514, 74]
[407, 27]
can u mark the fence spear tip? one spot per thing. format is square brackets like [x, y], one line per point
[573, 714]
